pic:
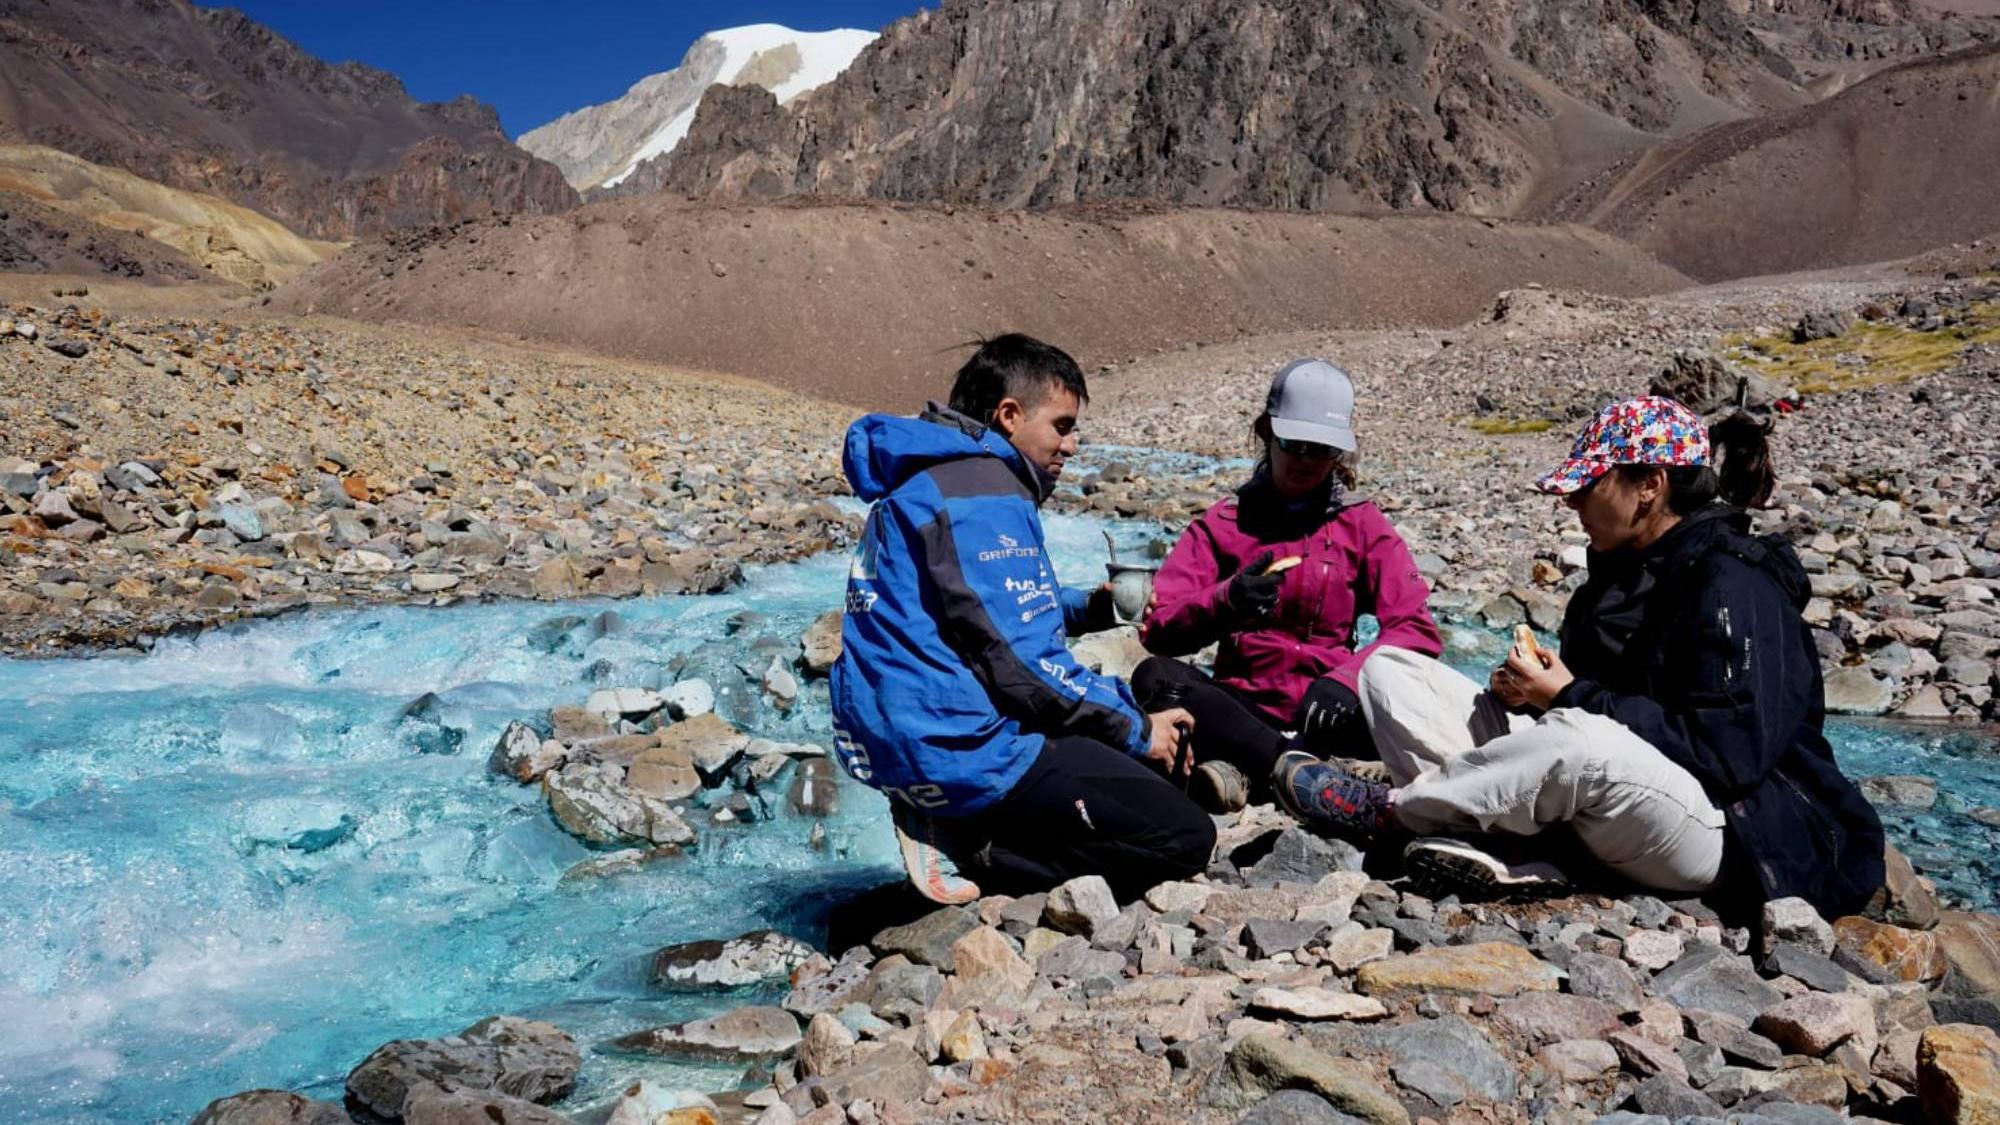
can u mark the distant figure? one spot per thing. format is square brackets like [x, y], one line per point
[1278, 576]
[955, 693]
[1677, 736]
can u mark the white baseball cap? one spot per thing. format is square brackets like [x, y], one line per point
[1312, 400]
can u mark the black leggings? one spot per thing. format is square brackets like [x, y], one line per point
[1225, 726]
[1084, 808]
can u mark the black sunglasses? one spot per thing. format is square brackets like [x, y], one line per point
[1310, 450]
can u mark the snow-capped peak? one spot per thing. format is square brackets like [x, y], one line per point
[822, 56]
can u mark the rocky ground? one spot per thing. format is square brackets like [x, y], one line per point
[163, 473]
[1285, 985]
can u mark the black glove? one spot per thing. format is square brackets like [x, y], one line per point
[1253, 593]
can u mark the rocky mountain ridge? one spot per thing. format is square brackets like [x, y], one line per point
[1487, 108]
[209, 100]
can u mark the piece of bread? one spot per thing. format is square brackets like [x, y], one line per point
[1524, 639]
[1284, 564]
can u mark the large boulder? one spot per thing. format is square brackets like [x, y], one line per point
[758, 957]
[1705, 383]
[525, 1059]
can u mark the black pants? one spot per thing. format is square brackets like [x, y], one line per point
[1084, 808]
[1227, 727]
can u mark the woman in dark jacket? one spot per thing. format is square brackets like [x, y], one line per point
[1678, 734]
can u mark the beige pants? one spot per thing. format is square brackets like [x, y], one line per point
[1462, 764]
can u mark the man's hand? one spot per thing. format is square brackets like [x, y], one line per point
[1254, 591]
[1167, 727]
[1525, 681]
[1099, 613]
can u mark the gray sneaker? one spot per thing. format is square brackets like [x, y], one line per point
[1438, 866]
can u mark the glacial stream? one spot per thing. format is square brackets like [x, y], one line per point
[234, 862]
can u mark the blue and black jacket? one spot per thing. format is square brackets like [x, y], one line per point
[953, 669]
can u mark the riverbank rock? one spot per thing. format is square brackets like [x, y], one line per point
[820, 644]
[525, 1059]
[593, 803]
[758, 957]
[270, 1107]
[437, 1105]
[740, 1035]
[524, 755]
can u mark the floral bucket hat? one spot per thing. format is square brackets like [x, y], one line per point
[1639, 431]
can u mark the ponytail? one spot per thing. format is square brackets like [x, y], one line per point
[1743, 456]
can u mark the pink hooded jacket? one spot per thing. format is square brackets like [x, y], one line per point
[1355, 563]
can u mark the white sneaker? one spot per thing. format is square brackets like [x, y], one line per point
[1438, 866]
[930, 871]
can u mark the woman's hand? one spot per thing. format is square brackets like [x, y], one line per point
[1167, 728]
[1253, 593]
[1525, 681]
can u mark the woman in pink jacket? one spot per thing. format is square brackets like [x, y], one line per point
[1277, 576]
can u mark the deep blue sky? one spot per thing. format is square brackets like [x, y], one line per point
[531, 59]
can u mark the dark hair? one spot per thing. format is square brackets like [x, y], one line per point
[1742, 474]
[1343, 459]
[1013, 366]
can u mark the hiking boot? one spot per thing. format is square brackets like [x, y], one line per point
[1438, 866]
[1219, 787]
[1327, 799]
[929, 869]
[1363, 768]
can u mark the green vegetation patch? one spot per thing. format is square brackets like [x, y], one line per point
[1870, 354]
[1491, 425]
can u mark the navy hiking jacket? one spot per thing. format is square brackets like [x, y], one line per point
[1697, 645]
[953, 667]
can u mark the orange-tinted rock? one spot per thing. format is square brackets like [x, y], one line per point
[1494, 968]
[1910, 955]
[1971, 944]
[1958, 1074]
[985, 1072]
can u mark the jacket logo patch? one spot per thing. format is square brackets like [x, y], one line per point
[1061, 676]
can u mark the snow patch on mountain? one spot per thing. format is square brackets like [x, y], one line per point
[822, 56]
[601, 145]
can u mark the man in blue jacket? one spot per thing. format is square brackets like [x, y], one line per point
[955, 693]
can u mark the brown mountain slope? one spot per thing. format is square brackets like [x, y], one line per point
[1902, 161]
[207, 100]
[1486, 106]
[867, 304]
[36, 238]
[227, 240]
